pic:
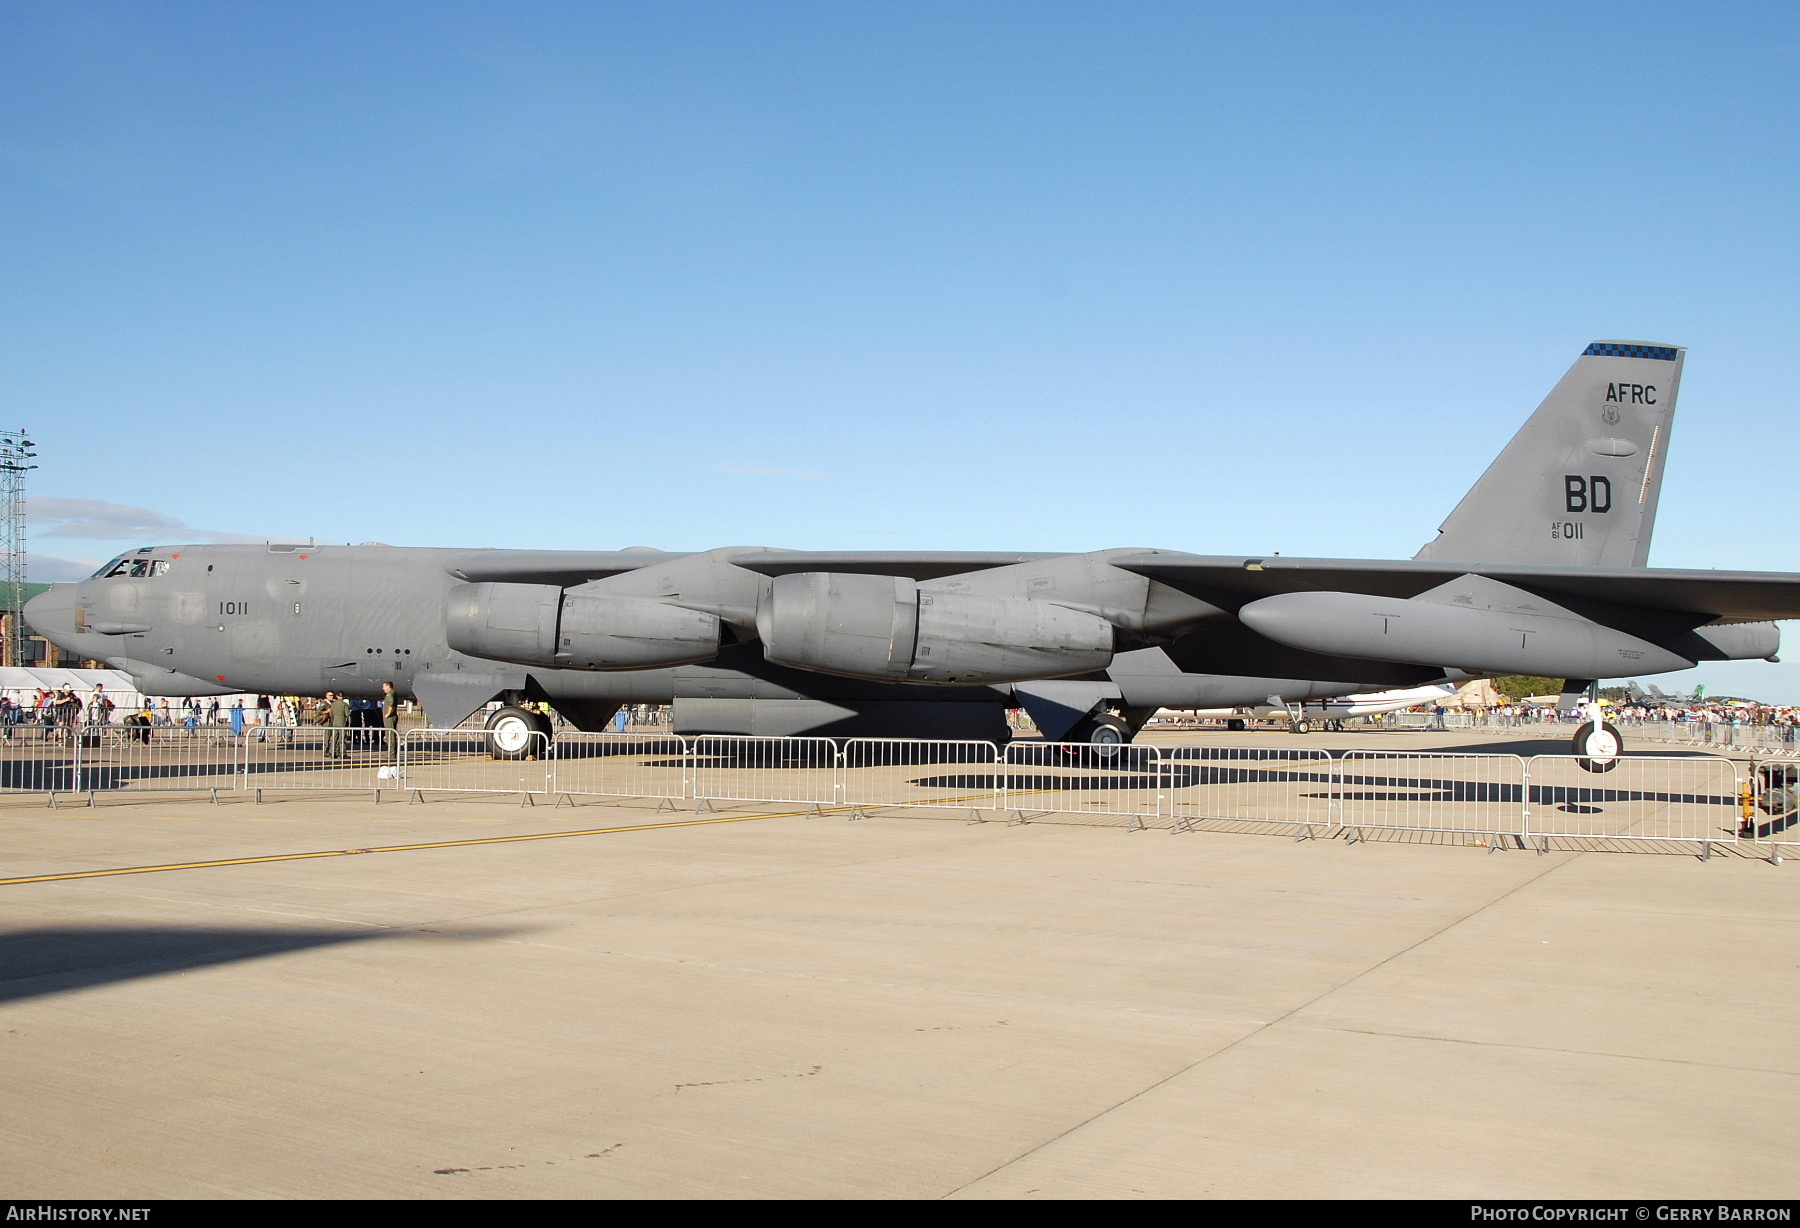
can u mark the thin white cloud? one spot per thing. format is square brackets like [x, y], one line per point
[763, 472]
[98, 520]
[48, 569]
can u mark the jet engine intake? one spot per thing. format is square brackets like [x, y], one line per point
[540, 624]
[887, 629]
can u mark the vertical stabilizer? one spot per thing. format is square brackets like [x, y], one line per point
[1579, 483]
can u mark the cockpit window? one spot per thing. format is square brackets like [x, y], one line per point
[133, 567]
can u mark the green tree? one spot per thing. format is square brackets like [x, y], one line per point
[1519, 686]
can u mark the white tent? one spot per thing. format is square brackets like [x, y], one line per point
[22, 686]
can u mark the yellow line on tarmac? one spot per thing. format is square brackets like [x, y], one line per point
[400, 848]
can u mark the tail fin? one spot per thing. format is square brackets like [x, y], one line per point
[1579, 483]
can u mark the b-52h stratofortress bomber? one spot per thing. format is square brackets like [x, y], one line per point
[1539, 570]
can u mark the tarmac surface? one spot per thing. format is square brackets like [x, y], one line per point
[759, 1003]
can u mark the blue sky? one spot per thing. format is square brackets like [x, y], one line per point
[965, 275]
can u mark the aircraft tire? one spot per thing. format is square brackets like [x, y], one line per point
[1302, 726]
[1597, 750]
[1104, 736]
[509, 733]
[1237, 726]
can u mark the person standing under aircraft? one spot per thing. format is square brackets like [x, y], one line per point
[337, 720]
[390, 719]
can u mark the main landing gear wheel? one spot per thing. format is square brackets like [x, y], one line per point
[1302, 726]
[1597, 748]
[510, 733]
[1237, 726]
[1104, 735]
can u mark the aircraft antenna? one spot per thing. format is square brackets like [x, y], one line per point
[15, 450]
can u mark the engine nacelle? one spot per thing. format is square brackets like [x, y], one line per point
[540, 624]
[885, 628]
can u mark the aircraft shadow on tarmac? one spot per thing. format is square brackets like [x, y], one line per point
[1527, 748]
[1350, 786]
[38, 962]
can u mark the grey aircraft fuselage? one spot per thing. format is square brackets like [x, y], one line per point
[303, 620]
[1541, 569]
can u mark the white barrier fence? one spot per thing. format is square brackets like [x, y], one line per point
[148, 760]
[282, 759]
[622, 765]
[1290, 787]
[1499, 800]
[802, 771]
[1078, 778]
[469, 761]
[1698, 799]
[1471, 795]
[880, 772]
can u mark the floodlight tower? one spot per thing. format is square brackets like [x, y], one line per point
[15, 451]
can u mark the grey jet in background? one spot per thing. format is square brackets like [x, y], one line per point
[1539, 570]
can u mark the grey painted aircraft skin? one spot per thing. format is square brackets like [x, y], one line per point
[1540, 570]
[307, 619]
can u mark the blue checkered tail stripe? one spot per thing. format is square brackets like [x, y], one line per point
[1605, 349]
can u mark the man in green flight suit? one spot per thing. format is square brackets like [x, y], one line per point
[390, 719]
[337, 719]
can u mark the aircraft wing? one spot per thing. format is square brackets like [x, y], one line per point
[1227, 581]
[567, 568]
[1231, 582]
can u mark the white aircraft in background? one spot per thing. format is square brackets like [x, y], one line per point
[1303, 715]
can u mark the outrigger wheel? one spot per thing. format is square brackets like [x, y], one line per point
[1597, 747]
[1104, 734]
[510, 733]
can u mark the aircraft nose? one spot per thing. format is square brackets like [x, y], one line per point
[52, 613]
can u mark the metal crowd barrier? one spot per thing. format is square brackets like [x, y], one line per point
[1288, 786]
[881, 772]
[1694, 800]
[1471, 795]
[146, 759]
[37, 764]
[621, 765]
[466, 761]
[1504, 800]
[802, 771]
[288, 758]
[1080, 778]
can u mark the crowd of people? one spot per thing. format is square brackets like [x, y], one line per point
[1735, 723]
[61, 714]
